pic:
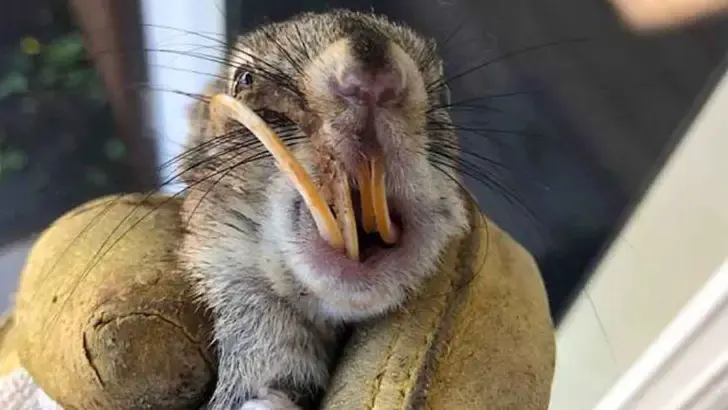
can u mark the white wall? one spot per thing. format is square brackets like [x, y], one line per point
[166, 22]
[675, 241]
[687, 367]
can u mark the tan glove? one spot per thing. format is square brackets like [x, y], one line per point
[125, 335]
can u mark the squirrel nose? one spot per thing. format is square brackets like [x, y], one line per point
[360, 86]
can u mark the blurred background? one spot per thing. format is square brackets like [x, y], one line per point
[581, 112]
[67, 133]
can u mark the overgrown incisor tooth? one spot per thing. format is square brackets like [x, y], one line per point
[345, 213]
[224, 105]
[387, 230]
[368, 221]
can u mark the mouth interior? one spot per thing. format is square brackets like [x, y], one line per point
[364, 214]
[369, 242]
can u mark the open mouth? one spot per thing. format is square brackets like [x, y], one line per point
[358, 222]
[369, 238]
[363, 215]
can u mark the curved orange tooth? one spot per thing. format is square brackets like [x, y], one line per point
[364, 179]
[387, 230]
[347, 218]
[324, 219]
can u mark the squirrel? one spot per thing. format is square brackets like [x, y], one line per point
[351, 86]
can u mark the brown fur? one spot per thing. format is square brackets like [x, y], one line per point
[278, 310]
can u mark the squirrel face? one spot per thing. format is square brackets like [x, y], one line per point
[351, 88]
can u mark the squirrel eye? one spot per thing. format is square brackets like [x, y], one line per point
[242, 81]
[445, 100]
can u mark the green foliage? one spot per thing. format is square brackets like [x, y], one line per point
[115, 149]
[13, 83]
[12, 160]
[96, 177]
[60, 66]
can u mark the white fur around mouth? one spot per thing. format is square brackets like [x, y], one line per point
[339, 233]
